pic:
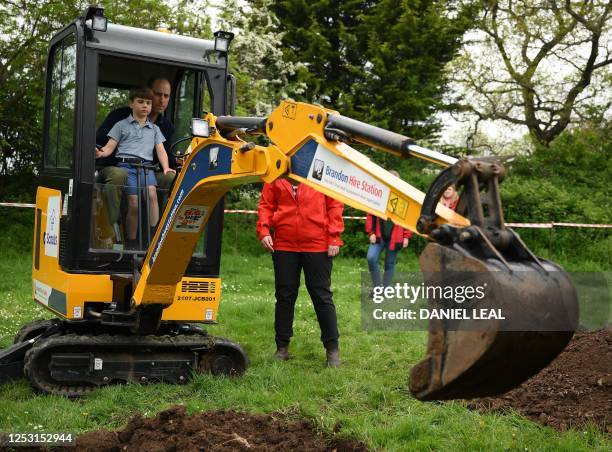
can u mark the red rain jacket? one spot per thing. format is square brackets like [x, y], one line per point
[310, 223]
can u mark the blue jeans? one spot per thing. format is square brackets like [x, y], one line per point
[374, 251]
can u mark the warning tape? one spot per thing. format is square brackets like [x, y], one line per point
[512, 225]
[16, 204]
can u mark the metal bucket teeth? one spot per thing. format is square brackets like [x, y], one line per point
[467, 363]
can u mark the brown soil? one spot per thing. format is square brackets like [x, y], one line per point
[574, 390]
[174, 430]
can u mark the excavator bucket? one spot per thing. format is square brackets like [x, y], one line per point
[469, 358]
[472, 361]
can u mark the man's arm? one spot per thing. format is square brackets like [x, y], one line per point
[167, 129]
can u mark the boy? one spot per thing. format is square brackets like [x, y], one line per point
[135, 137]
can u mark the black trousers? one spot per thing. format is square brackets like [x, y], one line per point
[317, 273]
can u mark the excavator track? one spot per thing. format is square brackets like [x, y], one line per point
[73, 365]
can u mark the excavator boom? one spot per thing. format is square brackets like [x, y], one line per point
[311, 145]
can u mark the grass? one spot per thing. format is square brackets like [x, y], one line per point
[366, 398]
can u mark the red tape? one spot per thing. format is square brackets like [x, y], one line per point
[512, 225]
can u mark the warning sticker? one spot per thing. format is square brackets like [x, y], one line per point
[190, 218]
[289, 110]
[397, 205]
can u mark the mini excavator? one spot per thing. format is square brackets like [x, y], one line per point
[136, 315]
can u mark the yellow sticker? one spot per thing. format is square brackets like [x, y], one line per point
[289, 110]
[397, 205]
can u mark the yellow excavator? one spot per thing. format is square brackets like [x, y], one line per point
[136, 314]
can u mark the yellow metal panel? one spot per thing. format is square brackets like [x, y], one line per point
[195, 300]
[49, 280]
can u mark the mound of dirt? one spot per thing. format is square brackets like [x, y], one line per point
[574, 390]
[174, 430]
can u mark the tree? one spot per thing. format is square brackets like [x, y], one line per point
[26, 27]
[256, 58]
[537, 63]
[380, 62]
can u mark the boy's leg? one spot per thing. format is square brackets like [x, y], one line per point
[132, 217]
[132, 214]
[153, 207]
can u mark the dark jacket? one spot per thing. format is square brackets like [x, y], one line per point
[398, 234]
[164, 124]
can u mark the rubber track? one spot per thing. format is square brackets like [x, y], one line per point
[40, 353]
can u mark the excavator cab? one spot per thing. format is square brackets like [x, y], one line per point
[89, 75]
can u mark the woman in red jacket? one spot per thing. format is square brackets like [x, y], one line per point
[306, 229]
[384, 235]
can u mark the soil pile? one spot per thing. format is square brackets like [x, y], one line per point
[574, 390]
[174, 430]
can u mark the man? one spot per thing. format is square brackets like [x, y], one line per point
[307, 227]
[114, 177]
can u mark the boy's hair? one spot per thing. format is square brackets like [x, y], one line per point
[142, 92]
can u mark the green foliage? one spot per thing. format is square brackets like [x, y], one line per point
[17, 226]
[568, 182]
[380, 62]
[26, 27]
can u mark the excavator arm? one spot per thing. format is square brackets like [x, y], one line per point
[311, 145]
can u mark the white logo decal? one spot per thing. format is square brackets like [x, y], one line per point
[51, 234]
[329, 170]
[42, 292]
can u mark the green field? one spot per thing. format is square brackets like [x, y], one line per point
[366, 398]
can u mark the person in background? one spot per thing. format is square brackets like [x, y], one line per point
[384, 235]
[450, 197]
[301, 228]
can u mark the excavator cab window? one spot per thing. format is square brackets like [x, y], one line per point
[110, 209]
[61, 105]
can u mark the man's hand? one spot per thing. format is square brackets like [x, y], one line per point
[405, 243]
[169, 170]
[268, 243]
[372, 238]
[333, 250]
[100, 153]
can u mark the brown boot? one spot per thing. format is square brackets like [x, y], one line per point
[333, 358]
[282, 354]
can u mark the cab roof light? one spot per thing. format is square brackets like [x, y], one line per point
[223, 40]
[95, 19]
